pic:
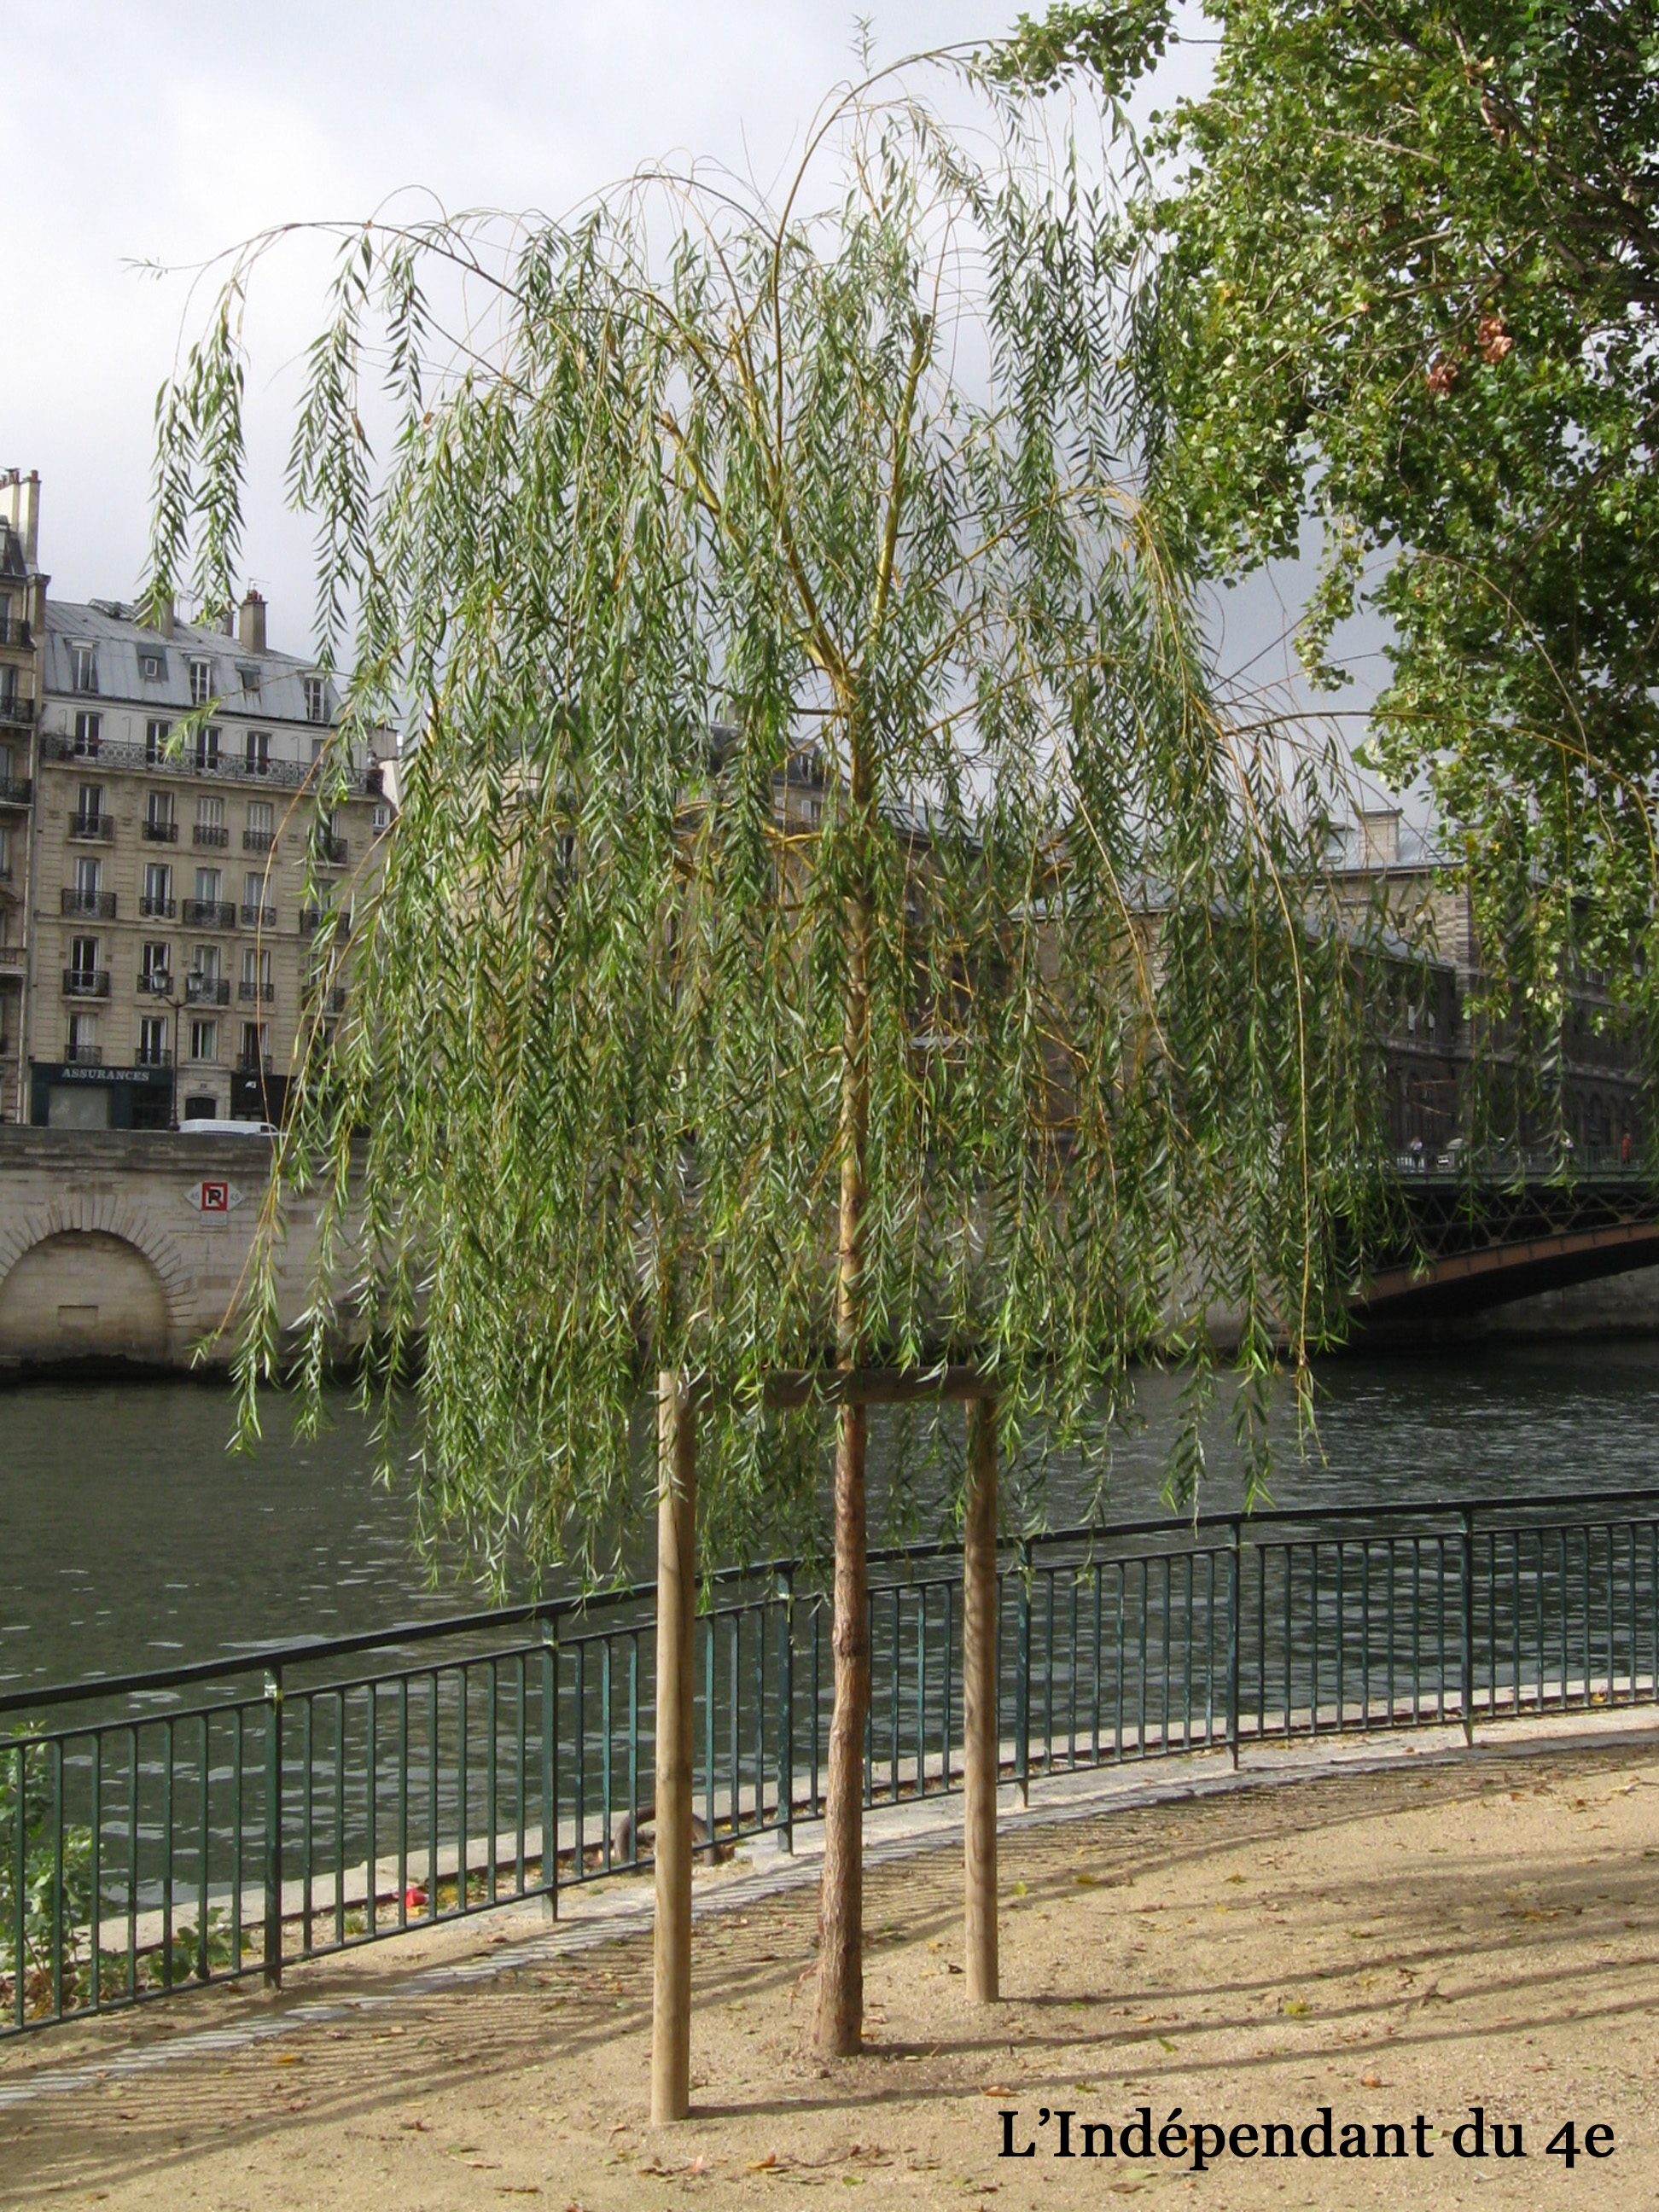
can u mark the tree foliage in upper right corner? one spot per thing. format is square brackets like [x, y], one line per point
[1408, 266]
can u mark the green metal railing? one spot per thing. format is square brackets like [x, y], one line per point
[186, 1827]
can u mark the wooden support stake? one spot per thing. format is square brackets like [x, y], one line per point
[677, 1597]
[981, 1734]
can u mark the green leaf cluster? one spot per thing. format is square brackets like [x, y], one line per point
[1406, 271]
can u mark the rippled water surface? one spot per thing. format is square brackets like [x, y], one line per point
[129, 1538]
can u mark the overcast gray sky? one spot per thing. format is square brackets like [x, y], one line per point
[165, 131]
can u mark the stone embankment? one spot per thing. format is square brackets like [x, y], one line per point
[133, 1247]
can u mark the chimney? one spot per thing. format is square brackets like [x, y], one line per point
[21, 508]
[251, 626]
[1379, 837]
[159, 619]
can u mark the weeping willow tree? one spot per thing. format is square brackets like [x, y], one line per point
[831, 921]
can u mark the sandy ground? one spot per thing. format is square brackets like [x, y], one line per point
[1478, 1930]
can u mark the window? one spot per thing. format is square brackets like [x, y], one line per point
[156, 743]
[207, 886]
[152, 664]
[82, 1038]
[256, 974]
[255, 895]
[88, 815]
[201, 682]
[153, 1041]
[255, 1046]
[158, 889]
[158, 817]
[261, 832]
[382, 818]
[316, 699]
[88, 880]
[83, 668]
[210, 813]
[259, 752]
[204, 963]
[204, 1038]
[207, 749]
[155, 964]
[316, 750]
[5, 854]
[250, 679]
[83, 957]
[86, 737]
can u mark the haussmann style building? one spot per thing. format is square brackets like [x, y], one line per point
[175, 951]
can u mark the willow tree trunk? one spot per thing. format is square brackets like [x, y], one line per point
[677, 1598]
[981, 1735]
[839, 2028]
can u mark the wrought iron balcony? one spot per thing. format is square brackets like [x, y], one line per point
[208, 913]
[161, 833]
[258, 840]
[156, 982]
[18, 713]
[155, 908]
[330, 850]
[15, 632]
[255, 993]
[83, 1055]
[99, 906]
[98, 827]
[209, 833]
[313, 918]
[217, 768]
[86, 982]
[153, 1056]
[253, 1063]
[258, 917]
[16, 790]
[206, 990]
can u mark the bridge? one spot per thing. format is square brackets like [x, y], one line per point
[1470, 1241]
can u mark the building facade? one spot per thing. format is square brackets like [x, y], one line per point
[190, 908]
[22, 600]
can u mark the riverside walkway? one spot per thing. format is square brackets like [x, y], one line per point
[1391, 1927]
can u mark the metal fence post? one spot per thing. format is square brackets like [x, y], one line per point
[551, 1768]
[1022, 1675]
[273, 1956]
[1468, 1624]
[786, 1713]
[1233, 1596]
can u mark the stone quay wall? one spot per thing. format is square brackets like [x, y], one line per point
[132, 1247]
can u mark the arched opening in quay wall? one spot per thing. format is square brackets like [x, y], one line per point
[84, 1294]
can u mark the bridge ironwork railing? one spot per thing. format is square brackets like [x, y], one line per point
[204, 1822]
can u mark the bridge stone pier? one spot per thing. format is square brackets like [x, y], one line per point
[129, 1246]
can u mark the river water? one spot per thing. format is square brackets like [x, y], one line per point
[129, 1538]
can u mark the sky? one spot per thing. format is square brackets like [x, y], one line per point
[164, 131]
